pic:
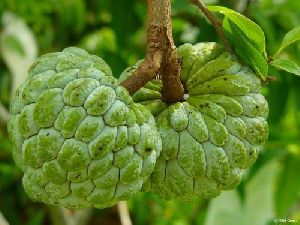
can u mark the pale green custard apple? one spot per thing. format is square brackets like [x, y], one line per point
[78, 136]
[210, 139]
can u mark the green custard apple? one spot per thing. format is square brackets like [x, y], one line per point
[211, 138]
[149, 95]
[78, 136]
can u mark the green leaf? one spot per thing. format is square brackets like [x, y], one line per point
[14, 44]
[259, 202]
[103, 40]
[37, 218]
[23, 40]
[288, 188]
[226, 209]
[291, 37]
[257, 207]
[247, 26]
[287, 65]
[245, 49]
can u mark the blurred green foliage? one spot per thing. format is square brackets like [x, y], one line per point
[115, 30]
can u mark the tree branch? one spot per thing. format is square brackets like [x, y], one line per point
[161, 57]
[214, 21]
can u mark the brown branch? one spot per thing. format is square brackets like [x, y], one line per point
[214, 21]
[170, 71]
[161, 57]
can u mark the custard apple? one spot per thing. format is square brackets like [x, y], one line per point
[78, 136]
[149, 95]
[211, 138]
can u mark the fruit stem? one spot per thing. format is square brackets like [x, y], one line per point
[161, 56]
[3, 221]
[214, 21]
[63, 216]
[124, 213]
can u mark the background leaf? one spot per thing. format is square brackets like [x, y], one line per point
[18, 64]
[103, 40]
[225, 209]
[14, 44]
[257, 207]
[259, 199]
[286, 65]
[288, 188]
[291, 37]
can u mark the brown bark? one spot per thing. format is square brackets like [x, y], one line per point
[161, 57]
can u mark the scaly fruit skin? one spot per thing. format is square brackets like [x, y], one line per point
[149, 95]
[209, 140]
[78, 136]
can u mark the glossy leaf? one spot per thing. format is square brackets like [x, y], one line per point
[244, 48]
[287, 65]
[248, 27]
